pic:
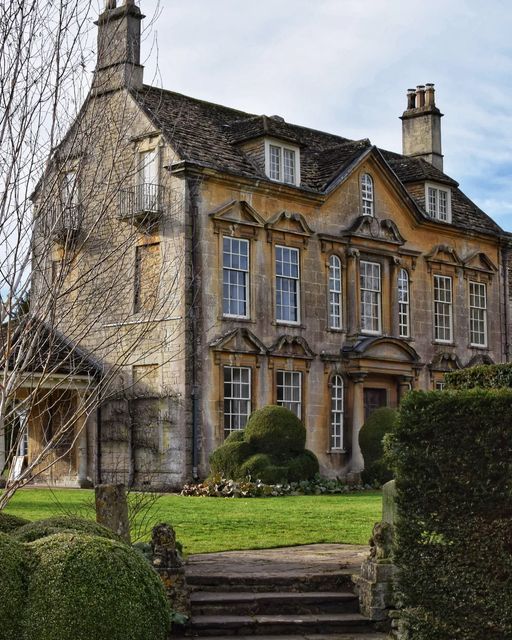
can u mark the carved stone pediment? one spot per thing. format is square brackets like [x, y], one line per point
[445, 361]
[239, 341]
[479, 261]
[237, 214]
[289, 223]
[480, 358]
[291, 347]
[372, 227]
[444, 254]
[382, 348]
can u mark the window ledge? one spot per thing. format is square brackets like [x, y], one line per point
[333, 330]
[441, 343]
[336, 451]
[479, 347]
[236, 319]
[283, 323]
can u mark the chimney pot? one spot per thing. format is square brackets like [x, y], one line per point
[411, 98]
[430, 99]
[420, 96]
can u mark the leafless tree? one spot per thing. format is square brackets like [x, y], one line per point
[77, 240]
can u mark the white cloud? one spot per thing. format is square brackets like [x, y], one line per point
[345, 65]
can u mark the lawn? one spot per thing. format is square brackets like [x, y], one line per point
[221, 524]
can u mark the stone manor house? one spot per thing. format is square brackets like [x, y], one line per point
[304, 269]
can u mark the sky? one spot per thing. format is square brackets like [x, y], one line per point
[344, 66]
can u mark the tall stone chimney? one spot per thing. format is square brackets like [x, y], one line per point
[118, 63]
[421, 126]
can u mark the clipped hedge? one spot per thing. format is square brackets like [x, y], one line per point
[452, 454]
[269, 449]
[85, 588]
[381, 422]
[12, 587]
[226, 460]
[9, 523]
[60, 524]
[485, 376]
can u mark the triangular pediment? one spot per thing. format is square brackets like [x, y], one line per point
[479, 261]
[444, 254]
[292, 347]
[238, 212]
[239, 341]
[375, 229]
[289, 223]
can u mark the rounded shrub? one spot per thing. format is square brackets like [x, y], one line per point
[274, 474]
[84, 588]
[303, 467]
[275, 430]
[381, 422]
[9, 523]
[235, 436]
[227, 459]
[59, 524]
[12, 587]
[255, 466]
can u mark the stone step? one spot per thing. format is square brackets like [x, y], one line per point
[336, 581]
[375, 635]
[326, 623]
[247, 603]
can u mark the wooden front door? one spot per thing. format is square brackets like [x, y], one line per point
[374, 399]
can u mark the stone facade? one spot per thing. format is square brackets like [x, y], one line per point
[196, 369]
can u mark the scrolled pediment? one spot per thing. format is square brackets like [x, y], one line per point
[371, 227]
[288, 222]
[444, 254]
[291, 347]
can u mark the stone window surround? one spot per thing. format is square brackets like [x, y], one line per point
[274, 142]
[436, 214]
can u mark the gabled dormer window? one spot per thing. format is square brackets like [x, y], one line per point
[282, 162]
[367, 208]
[438, 202]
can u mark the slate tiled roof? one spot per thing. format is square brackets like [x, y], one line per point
[52, 353]
[212, 136]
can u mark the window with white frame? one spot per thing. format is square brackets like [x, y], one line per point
[443, 314]
[367, 204]
[335, 313]
[337, 411]
[404, 328]
[147, 195]
[438, 202]
[478, 314]
[370, 290]
[282, 163]
[287, 285]
[440, 385]
[289, 391]
[235, 277]
[237, 398]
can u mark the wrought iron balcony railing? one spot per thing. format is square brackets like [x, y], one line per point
[142, 202]
[66, 221]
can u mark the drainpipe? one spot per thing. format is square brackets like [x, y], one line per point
[506, 284]
[98, 443]
[193, 189]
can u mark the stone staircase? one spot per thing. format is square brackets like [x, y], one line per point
[291, 605]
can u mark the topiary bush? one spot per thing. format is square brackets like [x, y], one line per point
[305, 465]
[9, 523]
[226, 460]
[275, 430]
[85, 588]
[453, 466]
[59, 524]
[12, 587]
[270, 449]
[381, 422]
[254, 466]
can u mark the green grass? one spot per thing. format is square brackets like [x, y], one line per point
[217, 524]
